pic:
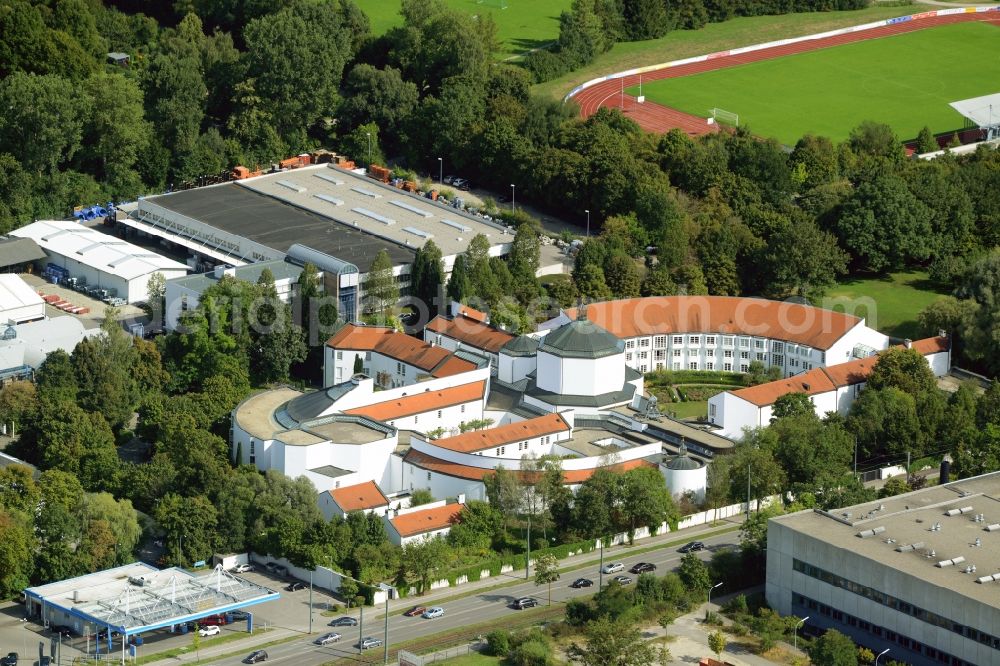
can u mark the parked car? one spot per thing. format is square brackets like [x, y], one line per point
[271, 566]
[220, 620]
[613, 567]
[9, 660]
[326, 639]
[344, 622]
[691, 547]
[458, 182]
[433, 612]
[296, 586]
[46, 660]
[524, 602]
[643, 567]
[239, 615]
[242, 568]
[255, 656]
[369, 642]
[61, 629]
[210, 630]
[582, 582]
[415, 611]
[622, 580]
[449, 179]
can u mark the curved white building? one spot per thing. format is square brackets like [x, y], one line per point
[684, 475]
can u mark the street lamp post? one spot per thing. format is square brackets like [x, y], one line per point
[180, 548]
[311, 600]
[441, 171]
[369, 135]
[795, 632]
[361, 627]
[512, 197]
[587, 211]
[527, 556]
[709, 609]
[879, 656]
[600, 572]
[385, 645]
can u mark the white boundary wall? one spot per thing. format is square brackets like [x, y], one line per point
[781, 42]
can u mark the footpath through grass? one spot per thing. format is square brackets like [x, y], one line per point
[904, 80]
[889, 304]
[522, 26]
[715, 37]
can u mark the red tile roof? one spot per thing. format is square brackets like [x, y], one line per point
[473, 313]
[436, 361]
[428, 520]
[512, 432]
[471, 332]
[727, 315]
[421, 402]
[359, 497]
[820, 380]
[432, 464]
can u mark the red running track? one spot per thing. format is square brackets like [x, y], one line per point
[654, 117]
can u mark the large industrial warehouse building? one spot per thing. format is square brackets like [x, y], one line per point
[917, 574]
[331, 217]
[103, 260]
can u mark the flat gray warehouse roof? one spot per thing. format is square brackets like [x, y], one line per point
[934, 534]
[271, 222]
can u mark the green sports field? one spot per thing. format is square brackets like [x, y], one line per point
[522, 26]
[905, 80]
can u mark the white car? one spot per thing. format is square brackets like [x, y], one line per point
[614, 567]
[326, 639]
[433, 612]
[242, 568]
[210, 630]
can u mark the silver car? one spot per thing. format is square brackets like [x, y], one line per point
[326, 639]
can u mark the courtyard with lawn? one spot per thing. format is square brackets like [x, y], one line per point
[904, 80]
[522, 25]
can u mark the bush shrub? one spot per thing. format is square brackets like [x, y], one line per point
[533, 652]
[545, 65]
[498, 643]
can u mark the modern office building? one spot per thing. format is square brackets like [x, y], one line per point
[917, 574]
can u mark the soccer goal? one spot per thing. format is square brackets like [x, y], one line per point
[499, 4]
[723, 116]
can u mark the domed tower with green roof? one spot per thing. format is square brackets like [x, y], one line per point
[581, 358]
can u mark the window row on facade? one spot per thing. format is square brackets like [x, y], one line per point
[675, 341]
[877, 631]
[897, 604]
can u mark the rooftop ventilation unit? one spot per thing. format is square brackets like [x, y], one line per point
[418, 232]
[906, 548]
[373, 215]
[331, 200]
[992, 528]
[456, 225]
[411, 208]
[295, 187]
[955, 512]
[330, 179]
[947, 563]
[367, 193]
[864, 534]
[988, 579]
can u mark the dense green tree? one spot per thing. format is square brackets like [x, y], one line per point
[981, 455]
[427, 276]
[802, 260]
[16, 547]
[612, 643]
[591, 284]
[596, 507]
[421, 559]
[480, 524]
[379, 96]
[116, 131]
[885, 421]
[622, 276]
[381, 290]
[175, 101]
[645, 19]
[645, 500]
[459, 285]
[695, 574]
[189, 525]
[503, 490]
[833, 649]
[905, 369]
[582, 36]
[792, 404]
[54, 120]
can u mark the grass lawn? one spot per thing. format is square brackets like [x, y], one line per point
[524, 25]
[687, 410]
[895, 301]
[905, 80]
[714, 37]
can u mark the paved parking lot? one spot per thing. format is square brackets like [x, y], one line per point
[91, 319]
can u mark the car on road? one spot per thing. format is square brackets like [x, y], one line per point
[643, 567]
[524, 602]
[256, 656]
[210, 630]
[369, 642]
[582, 582]
[242, 568]
[622, 580]
[295, 587]
[415, 611]
[613, 567]
[326, 639]
[344, 622]
[691, 547]
[9, 660]
[432, 612]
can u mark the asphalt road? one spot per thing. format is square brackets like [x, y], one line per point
[465, 611]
